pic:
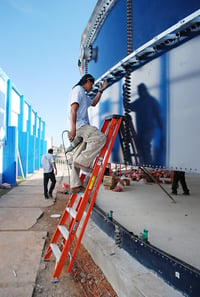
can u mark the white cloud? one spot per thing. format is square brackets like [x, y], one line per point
[23, 6]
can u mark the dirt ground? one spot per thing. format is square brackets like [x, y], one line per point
[86, 278]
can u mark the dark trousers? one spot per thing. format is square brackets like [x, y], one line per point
[49, 176]
[179, 176]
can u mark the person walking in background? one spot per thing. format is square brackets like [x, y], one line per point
[78, 125]
[179, 176]
[49, 165]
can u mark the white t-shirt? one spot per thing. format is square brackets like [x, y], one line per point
[47, 161]
[79, 96]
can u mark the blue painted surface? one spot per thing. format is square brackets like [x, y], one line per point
[23, 149]
[37, 154]
[31, 154]
[2, 116]
[111, 41]
[10, 157]
[23, 152]
[150, 18]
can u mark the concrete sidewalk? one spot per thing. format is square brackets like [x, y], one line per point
[20, 248]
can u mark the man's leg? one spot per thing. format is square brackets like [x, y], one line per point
[53, 183]
[95, 140]
[175, 182]
[183, 183]
[45, 184]
[74, 175]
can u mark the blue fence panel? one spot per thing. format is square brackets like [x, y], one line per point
[23, 153]
[37, 154]
[10, 157]
[31, 154]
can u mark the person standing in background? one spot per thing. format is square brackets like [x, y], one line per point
[179, 176]
[49, 165]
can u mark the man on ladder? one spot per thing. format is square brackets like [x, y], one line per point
[78, 125]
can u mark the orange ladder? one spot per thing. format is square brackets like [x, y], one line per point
[61, 242]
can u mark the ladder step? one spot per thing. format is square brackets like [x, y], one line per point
[56, 251]
[71, 211]
[64, 231]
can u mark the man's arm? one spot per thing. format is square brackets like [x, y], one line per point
[55, 167]
[96, 99]
[72, 132]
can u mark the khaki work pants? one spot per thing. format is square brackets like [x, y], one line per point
[86, 152]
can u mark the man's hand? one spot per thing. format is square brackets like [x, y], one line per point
[71, 135]
[103, 85]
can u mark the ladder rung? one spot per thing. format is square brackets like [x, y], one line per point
[56, 251]
[64, 231]
[70, 255]
[71, 211]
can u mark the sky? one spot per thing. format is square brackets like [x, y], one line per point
[40, 44]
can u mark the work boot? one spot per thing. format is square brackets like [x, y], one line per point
[186, 193]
